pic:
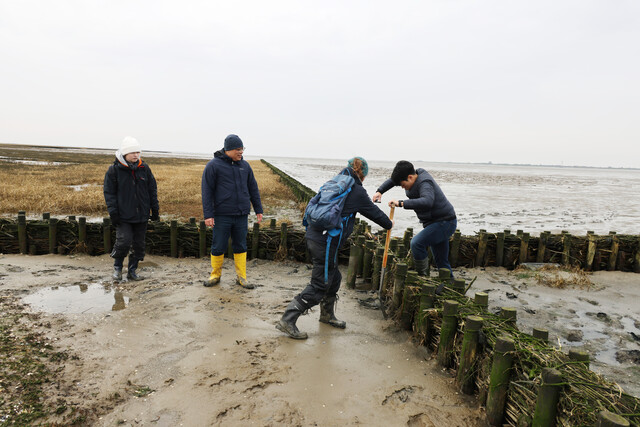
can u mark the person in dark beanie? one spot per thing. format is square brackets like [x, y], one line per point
[325, 276]
[229, 189]
[131, 194]
[434, 211]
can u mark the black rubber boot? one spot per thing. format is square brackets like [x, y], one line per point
[131, 269]
[327, 313]
[422, 266]
[288, 322]
[117, 273]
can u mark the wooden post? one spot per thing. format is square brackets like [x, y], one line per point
[548, 397]
[388, 278]
[367, 260]
[459, 285]
[360, 242]
[192, 221]
[283, 250]
[255, 240]
[481, 299]
[406, 315]
[354, 259]
[22, 233]
[401, 250]
[465, 376]
[427, 299]
[399, 283]
[542, 246]
[82, 231]
[46, 216]
[519, 233]
[510, 315]
[377, 265]
[541, 334]
[482, 247]
[448, 332]
[272, 224]
[393, 245]
[500, 249]
[609, 419]
[636, 261]
[499, 380]
[454, 249]
[53, 227]
[615, 244]
[106, 235]
[72, 218]
[524, 248]
[566, 252]
[591, 251]
[578, 355]
[173, 236]
[408, 235]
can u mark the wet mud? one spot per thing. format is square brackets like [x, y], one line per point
[167, 351]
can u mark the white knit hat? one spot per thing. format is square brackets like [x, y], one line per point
[129, 145]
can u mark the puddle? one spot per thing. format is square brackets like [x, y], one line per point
[91, 298]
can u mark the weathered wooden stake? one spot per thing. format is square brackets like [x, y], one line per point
[636, 261]
[408, 306]
[591, 251]
[82, 231]
[388, 278]
[578, 355]
[53, 228]
[255, 240]
[272, 224]
[106, 235]
[377, 265]
[360, 242]
[427, 298]
[399, 283]
[541, 334]
[454, 249]
[499, 249]
[609, 419]
[401, 250]
[22, 233]
[459, 285]
[367, 260]
[46, 216]
[482, 299]
[202, 239]
[524, 248]
[465, 376]
[448, 332]
[173, 237]
[192, 220]
[354, 260]
[482, 247]
[283, 250]
[548, 397]
[566, 252]
[542, 246]
[613, 257]
[510, 315]
[499, 380]
[408, 235]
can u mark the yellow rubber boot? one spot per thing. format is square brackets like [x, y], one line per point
[216, 270]
[241, 270]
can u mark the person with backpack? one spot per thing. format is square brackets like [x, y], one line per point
[229, 188]
[330, 217]
[131, 193]
[434, 211]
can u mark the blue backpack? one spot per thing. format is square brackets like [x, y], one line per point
[324, 212]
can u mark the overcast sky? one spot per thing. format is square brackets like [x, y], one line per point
[542, 82]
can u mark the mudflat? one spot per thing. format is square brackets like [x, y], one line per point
[168, 351]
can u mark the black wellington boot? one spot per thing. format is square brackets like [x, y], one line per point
[131, 269]
[117, 273]
[422, 266]
[288, 322]
[327, 314]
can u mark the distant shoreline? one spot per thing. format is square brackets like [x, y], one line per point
[190, 155]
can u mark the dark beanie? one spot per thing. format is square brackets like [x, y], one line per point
[232, 142]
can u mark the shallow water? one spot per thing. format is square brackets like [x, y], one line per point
[499, 197]
[91, 298]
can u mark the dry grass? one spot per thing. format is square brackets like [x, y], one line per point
[556, 277]
[37, 188]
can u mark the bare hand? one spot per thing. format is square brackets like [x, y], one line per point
[259, 216]
[209, 222]
[377, 197]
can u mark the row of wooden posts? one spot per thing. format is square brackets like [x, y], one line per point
[412, 301]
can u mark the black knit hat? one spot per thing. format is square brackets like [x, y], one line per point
[232, 142]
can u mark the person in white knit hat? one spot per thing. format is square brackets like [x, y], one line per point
[131, 194]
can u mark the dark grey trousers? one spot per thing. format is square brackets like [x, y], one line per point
[317, 289]
[129, 236]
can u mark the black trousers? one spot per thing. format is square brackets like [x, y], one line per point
[129, 236]
[317, 289]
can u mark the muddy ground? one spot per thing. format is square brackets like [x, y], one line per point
[167, 351]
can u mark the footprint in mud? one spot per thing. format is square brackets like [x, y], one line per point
[401, 395]
[48, 272]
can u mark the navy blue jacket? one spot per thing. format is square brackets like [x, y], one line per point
[130, 192]
[228, 187]
[426, 198]
[358, 201]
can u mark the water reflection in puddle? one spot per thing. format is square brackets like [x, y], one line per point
[84, 298]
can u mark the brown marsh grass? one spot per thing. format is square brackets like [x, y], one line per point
[38, 188]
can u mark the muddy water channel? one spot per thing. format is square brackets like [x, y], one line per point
[168, 351]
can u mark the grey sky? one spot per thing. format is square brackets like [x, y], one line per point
[554, 82]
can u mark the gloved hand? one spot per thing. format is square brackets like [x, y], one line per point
[115, 219]
[155, 216]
